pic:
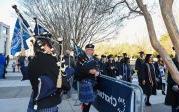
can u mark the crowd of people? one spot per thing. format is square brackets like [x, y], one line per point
[151, 75]
[43, 69]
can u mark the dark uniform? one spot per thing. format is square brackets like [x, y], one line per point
[138, 66]
[124, 56]
[111, 68]
[87, 80]
[150, 79]
[160, 72]
[23, 68]
[43, 72]
[125, 70]
[102, 65]
[149, 76]
[172, 97]
[118, 66]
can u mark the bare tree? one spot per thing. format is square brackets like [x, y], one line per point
[138, 7]
[167, 13]
[80, 20]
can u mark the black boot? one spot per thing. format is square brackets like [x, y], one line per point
[147, 103]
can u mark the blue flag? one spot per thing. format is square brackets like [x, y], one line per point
[78, 50]
[20, 36]
[38, 30]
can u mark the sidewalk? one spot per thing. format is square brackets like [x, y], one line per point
[15, 95]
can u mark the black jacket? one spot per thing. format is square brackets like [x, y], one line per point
[138, 66]
[148, 89]
[172, 98]
[44, 64]
[82, 70]
[111, 69]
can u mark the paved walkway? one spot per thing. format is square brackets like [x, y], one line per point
[15, 94]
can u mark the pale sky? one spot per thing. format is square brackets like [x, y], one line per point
[7, 14]
[133, 31]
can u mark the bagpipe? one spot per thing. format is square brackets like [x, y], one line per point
[82, 58]
[56, 46]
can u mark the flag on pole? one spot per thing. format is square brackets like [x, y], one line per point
[39, 30]
[78, 51]
[20, 36]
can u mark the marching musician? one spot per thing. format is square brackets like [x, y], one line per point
[43, 72]
[86, 75]
[111, 67]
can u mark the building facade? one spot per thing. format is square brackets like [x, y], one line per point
[4, 39]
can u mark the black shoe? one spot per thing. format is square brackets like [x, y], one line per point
[148, 104]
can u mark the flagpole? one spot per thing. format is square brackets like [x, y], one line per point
[21, 17]
[38, 32]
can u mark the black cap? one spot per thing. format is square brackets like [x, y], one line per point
[89, 46]
[173, 48]
[41, 41]
[148, 55]
[103, 56]
[124, 54]
[95, 55]
[141, 52]
[110, 56]
[158, 56]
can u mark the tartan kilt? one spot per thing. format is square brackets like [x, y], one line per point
[86, 92]
[51, 109]
[31, 107]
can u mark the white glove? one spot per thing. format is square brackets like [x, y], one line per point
[119, 77]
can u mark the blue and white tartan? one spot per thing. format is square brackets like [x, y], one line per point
[51, 109]
[31, 107]
[86, 92]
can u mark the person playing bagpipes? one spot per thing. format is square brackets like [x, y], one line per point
[87, 70]
[45, 71]
[43, 74]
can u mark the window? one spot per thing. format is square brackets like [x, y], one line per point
[4, 31]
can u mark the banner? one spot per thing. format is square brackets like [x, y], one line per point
[20, 36]
[113, 96]
[38, 30]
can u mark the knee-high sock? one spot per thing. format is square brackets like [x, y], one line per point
[86, 107]
[148, 98]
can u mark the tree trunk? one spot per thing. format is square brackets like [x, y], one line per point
[167, 14]
[156, 44]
